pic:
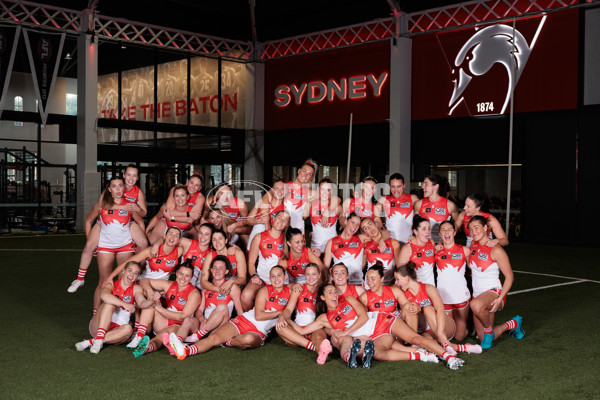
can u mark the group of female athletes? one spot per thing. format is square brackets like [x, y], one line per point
[380, 280]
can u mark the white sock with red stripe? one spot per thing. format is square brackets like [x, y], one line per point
[488, 329]
[191, 350]
[346, 356]
[415, 355]
[81, 273]
[201, 333]
[461, 348]
[141, 330]
[91, 341]
[228, 343]
[136, 325]
[94, 311]
[512, 324]
[149, 349]
[446, 356]
[100, 334]
[311, 346]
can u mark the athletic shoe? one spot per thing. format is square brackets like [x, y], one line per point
[455, 363]
[134, 342]
[449, 349]
[193, 338]
[473, 348]
[177, 346]
[368, 353]
[97, 346]
[81, 346]
[141, 347]
[324, 350]
[427, 356]
[76, 284]
[518, 332]
[486, 343]
[167, 342]
[354, 350]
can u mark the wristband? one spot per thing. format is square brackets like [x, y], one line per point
[188, 214]
[172, 218]
[253, 275]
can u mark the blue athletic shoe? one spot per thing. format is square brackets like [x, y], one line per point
[518, 332]
[486, 343]
[368, 353]
[354, 350]
[141, 348]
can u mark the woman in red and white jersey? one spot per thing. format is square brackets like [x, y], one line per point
[181, 299]
[296, 257]
[115, 240]
[299, 194]
[420, 249]
[159, 263]
[237, 260]
[135, 202]
[435, 205]
[110, 324]
[361, 203]
[451, 263]
[324, 213]
[348, 248]
[172, 213]
[354, 331]
[265, 251]
[375, 253]
[489, 294]
[216, 306]
[397, 207]
[249, 330]
[263, 212]
[303, 303]
[477, 204]
[181, 206]
[196, 250]
[339, 278]
[381, 297]
[234, 209]
[433, 320]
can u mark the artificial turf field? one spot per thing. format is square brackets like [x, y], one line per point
[559, 357]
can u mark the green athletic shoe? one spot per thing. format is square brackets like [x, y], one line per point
[141, 348]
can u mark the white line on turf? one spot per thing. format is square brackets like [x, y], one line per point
[546, 287]
[557, 276]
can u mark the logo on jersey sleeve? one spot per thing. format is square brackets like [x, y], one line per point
[425, 303]
[282, 302]
[457, 256]
[482, 256]
[440, 211]
[389, 303]
[123, 213]
[405, 204]
[171, 263]
[377, 305]
[181, 302]
[221, 296]
[127, 299]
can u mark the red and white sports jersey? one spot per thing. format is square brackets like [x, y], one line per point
[176, 300]
[320, 234]
[350, 252]
[421, 297]
[270, 250]
[485, 271]
[360, 208]
[386, 257]
[343, 316]
[436, 212]
[424, 259]
[114, 228]
[193, 199]
[258, 228]
[233, 209]
[121, 316]
[212, 299]
[232, 260]
[132, 195]
[399, 215]
[451, 283]
[182, 226]
[305, 307]
[296, 266]
[350, 291]
[294, 202]
[385, 303]
[276, 301]
[161, 266]
[197, 256]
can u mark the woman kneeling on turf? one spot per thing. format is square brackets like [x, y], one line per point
[119, 299]
[249, 330]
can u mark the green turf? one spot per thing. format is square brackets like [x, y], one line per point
[557, 359]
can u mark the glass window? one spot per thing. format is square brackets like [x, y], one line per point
[71, 104]
[18, 107]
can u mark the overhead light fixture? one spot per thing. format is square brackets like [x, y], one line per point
[68, 56]
[123, 47]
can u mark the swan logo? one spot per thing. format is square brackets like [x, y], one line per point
[496, 44]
